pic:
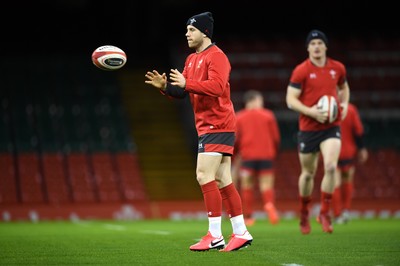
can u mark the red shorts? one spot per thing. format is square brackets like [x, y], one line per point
[257, 167]
[345, 164]
[217, 142]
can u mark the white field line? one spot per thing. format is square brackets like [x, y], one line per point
[114, 227]
[155, 232]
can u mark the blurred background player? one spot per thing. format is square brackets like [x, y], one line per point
[353, 149]
[205, 80]
[257, 144]
[316, 76]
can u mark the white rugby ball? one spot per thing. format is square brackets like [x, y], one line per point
[328, 104]
[109, 57]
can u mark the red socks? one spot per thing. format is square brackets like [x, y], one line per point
[347, 194]
[268, 196]
[248, 202]
[342, 197]
[212, 199]
[231, 200]
[337, 202]
[304, 202]
[326, 199]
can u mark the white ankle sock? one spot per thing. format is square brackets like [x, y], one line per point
[238, 225]
[214, 226]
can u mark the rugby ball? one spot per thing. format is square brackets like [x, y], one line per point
[328, 104]
[109, 57]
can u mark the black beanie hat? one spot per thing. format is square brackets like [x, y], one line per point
[204, 22]
[316, 34]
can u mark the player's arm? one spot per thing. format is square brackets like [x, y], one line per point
[160, 82]
[175, 91]
[358, 132]
[362, 152]
[176, 88]
[344, 97]
[293, 102]
[276, 135]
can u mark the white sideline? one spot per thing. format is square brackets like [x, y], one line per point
[155, 232]
[115, 227]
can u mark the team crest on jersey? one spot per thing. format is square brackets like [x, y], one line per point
[199, 64]
[333, 73]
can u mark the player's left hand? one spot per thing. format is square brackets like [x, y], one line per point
[177, 78]
[362, 155]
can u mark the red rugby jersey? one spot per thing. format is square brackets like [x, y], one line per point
[315, 82]
[207, 81]
[258, 136]
[350, 127]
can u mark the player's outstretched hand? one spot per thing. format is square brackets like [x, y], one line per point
[177, 78]
[156, 79]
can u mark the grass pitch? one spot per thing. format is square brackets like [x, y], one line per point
[159, 242]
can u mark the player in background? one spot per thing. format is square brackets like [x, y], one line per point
[316, 76]
[205, 79]
[257, 145]
[353, 149]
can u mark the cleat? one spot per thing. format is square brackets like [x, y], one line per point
[325, 221]
[340, 220]
[238, 242]
[208, 242]
[249, 221]
[305, 227]
[272, 213]
[345, 217]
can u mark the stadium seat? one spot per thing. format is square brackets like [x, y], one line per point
[31, 180]
[54, 172]
[82, 182]
[8, 181]
[105, 175]
[131, 179]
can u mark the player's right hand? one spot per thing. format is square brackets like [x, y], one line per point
[156, 79]
[318, 114]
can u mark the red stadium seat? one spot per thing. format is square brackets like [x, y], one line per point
[8, 185]
[30, 178]
[83, 186]
[54, 172]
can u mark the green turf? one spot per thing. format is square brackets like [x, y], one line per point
[154, 242]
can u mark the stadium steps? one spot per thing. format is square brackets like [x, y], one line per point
[167, 163]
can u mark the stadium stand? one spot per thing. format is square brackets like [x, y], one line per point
[67, 145]
[65, 140]
[8, 184]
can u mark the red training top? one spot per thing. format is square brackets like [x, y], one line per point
[258, 135]
[351, 127]
[315, 82]
[207, 81]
